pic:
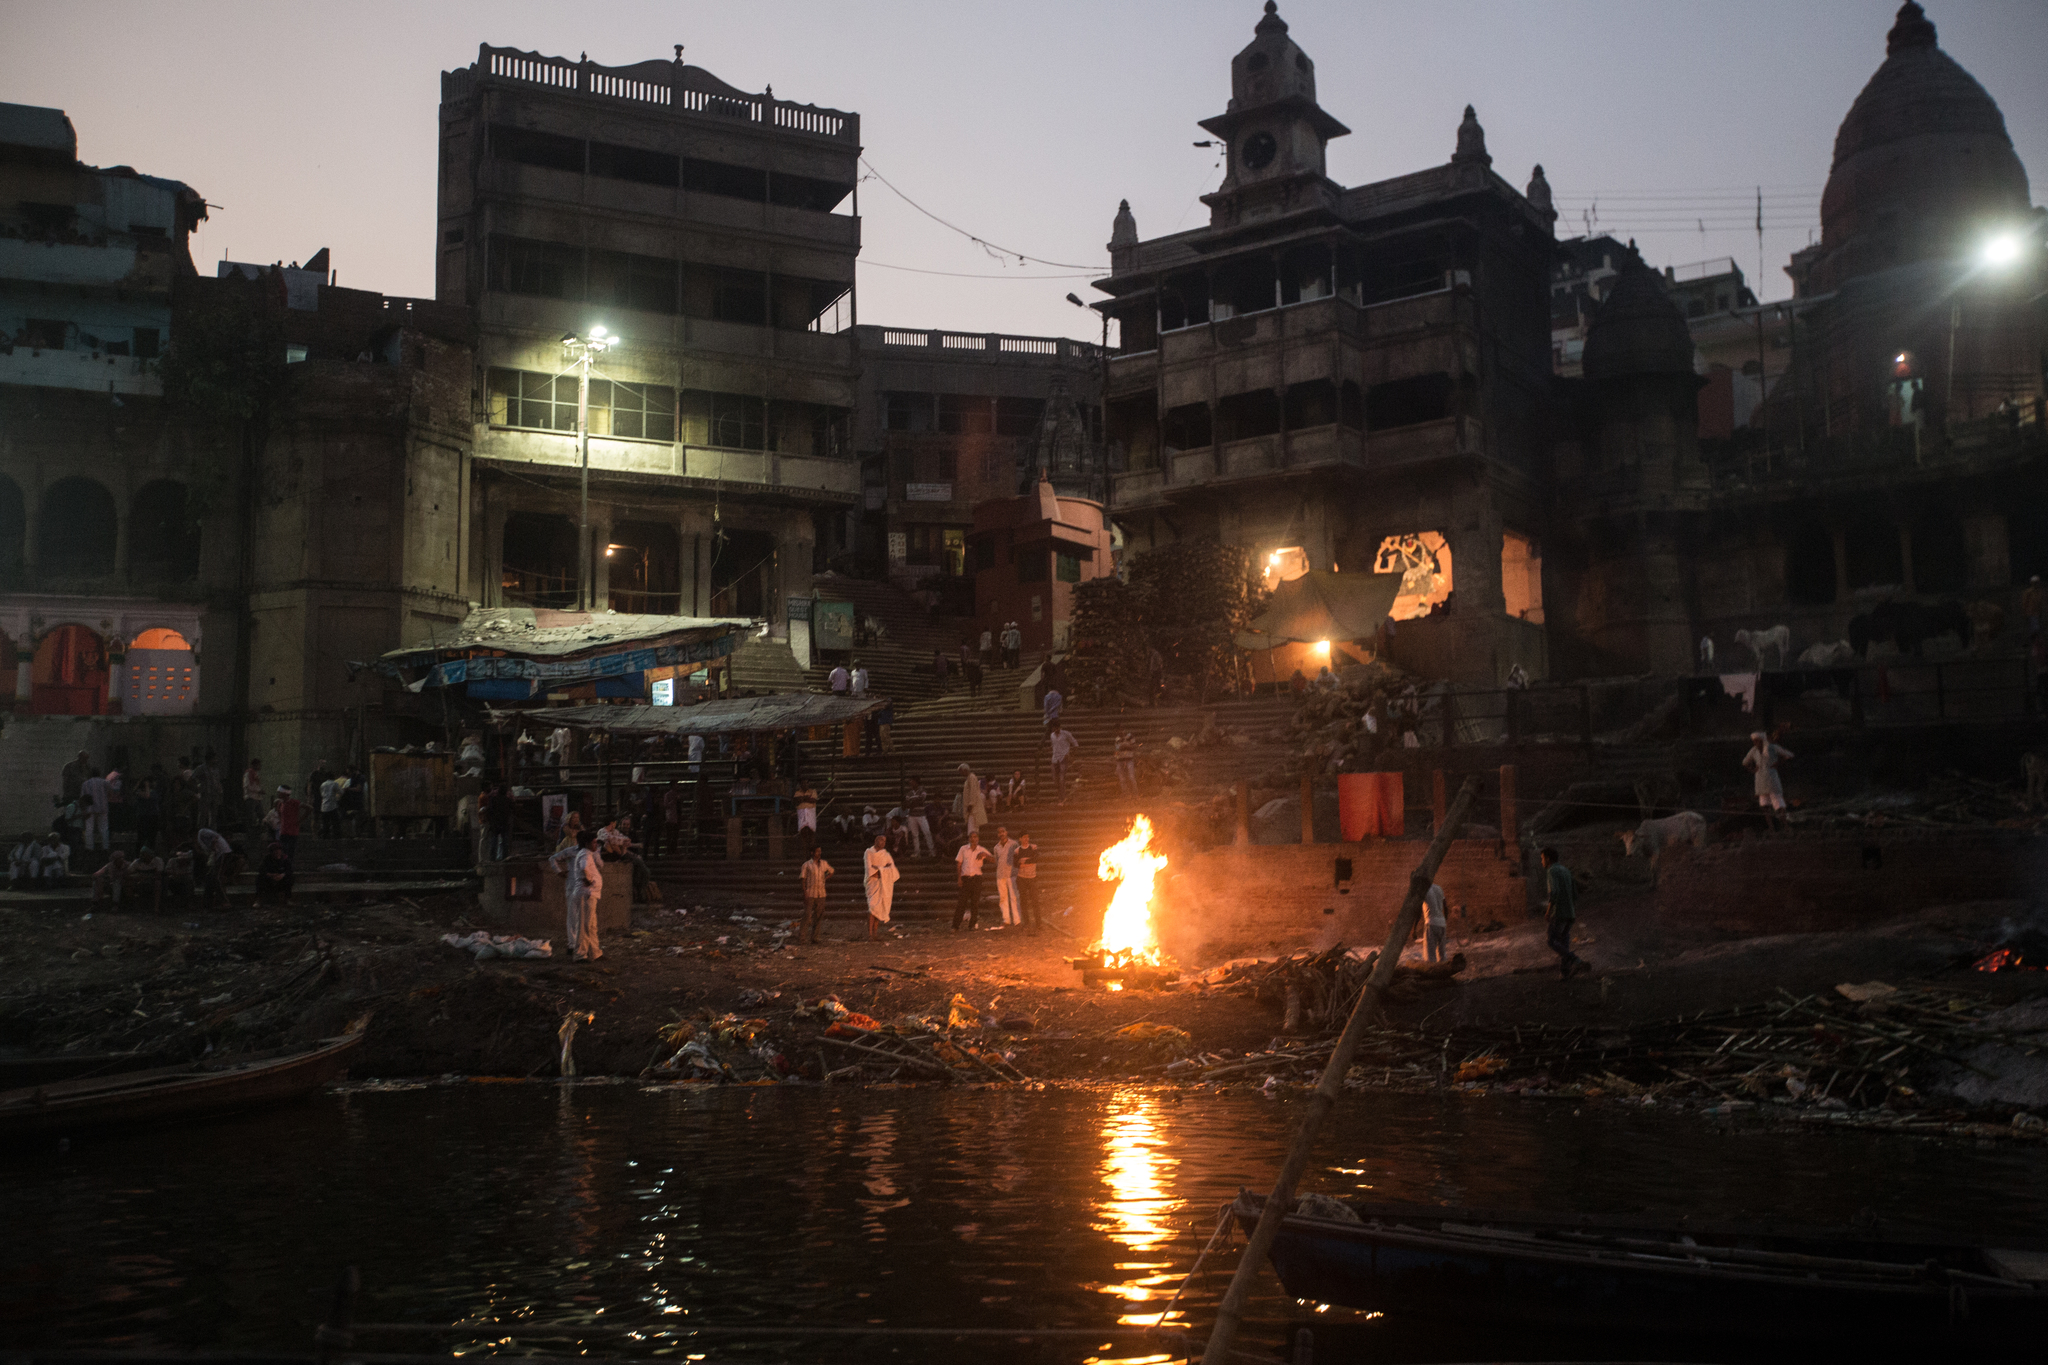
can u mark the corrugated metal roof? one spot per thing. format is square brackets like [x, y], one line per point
[536, 632]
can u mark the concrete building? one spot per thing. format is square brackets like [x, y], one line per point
[1584, 270]
[949, 420]
[705, 228]
[1347, 377]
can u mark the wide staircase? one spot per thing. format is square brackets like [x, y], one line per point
[931, 744]
[900, 664]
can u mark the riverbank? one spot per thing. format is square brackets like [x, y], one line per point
[733, 984]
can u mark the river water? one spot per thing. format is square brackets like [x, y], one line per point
[611, 1203]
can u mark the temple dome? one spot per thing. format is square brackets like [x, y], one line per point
[1638, 330]
[1923, 165]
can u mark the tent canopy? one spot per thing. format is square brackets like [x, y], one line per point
[1321, 605]
[732, 715]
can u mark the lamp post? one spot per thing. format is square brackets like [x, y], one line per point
[584, 349]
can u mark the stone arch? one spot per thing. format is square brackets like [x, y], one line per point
[163, 539]
[13, 531]
[77, 529]
[70, 673]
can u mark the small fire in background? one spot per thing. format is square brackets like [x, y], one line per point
[1127, 938]
[2007, 960]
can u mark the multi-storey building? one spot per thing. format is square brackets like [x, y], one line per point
[705, 228]
[950, 420]
[1345, 377]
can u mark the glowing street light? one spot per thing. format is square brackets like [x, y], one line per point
[2002, 250]
[583, 350]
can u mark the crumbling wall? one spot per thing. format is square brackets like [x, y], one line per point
[1275, 898]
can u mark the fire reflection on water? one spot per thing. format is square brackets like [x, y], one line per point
[1137, 1215]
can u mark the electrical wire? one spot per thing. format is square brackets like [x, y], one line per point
[976, 275]
[982, 242]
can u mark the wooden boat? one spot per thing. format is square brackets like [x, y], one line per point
[1645, 1280]
[18, 1071]
[169, 1094]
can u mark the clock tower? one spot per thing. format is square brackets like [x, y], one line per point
[1274, 131]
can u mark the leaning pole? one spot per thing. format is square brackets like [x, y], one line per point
[1231, 1312]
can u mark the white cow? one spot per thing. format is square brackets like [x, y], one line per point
[1757, 641]
[1652, 837]
[1825, 655]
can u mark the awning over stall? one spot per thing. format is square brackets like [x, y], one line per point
[734, 715]
[556, 647]
[1321, 605]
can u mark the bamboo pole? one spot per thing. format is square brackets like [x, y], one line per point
[1231, 1311]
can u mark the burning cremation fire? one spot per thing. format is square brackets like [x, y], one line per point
[1127, 938]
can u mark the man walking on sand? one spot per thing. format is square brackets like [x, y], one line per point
[1763, 759]
[1438, 924]
[1561, 910]
[878, 879]
[816, 870]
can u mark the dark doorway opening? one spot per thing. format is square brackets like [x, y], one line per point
[163, 540]
[742, 563]
[76, 537]
[539, 560]
[646, 568]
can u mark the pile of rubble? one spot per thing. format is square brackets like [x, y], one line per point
[962, 1045]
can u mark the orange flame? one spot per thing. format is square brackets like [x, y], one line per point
[1127, 924]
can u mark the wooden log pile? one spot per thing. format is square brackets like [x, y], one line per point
[1315, 991]
[1848, 1050]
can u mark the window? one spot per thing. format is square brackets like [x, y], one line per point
[1019, 416]
[636, 412]
[543, 269]
[1521, 577]
[738, 422]
[530, 147]
[521, 398]
[803, 192]
[942, 546]
[623, 280]
[147, 343]
[966, 414]
[44, 334]
[614, 162]
[1311, 404]
[738, 295]
[1067, 566]
[1405, 402]
[1242, 416]
[716, 177]
[1030, 563]
[1188, 427]
[1424, 562]
[909, 411]
[902, 466]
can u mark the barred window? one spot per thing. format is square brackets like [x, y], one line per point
[539, 402]
[544, 269]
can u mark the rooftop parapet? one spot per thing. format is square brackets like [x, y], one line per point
[684, 90]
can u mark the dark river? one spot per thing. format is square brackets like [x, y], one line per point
[607, 1203]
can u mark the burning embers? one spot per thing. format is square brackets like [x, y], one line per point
[1128, 951]
[2009, 960]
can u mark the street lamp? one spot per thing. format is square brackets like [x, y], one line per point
[582, 351]
[2002, 250]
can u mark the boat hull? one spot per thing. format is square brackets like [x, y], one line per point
[1402, 1267]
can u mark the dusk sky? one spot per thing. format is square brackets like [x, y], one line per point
[1024, 124]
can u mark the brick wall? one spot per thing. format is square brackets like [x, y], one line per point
[1273, 898]
[1839, 879]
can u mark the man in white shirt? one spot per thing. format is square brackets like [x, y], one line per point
[969, 861]
[219, 854]
[841, 680]
[1438, 923]
[860, 680]
[1063, 743]
[1013, 644]
[973, 805]
[330, 807]
[92, 804]
[696, 752]
[988, 647]
[1005, 851]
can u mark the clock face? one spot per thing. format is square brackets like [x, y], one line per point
[1258, 151]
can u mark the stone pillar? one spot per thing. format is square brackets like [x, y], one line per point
[24, 676]
[1906, 557]
[122, 523]
[1841, 542]
[601, 572]
[1990, 551]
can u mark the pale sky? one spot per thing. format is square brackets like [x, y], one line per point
[1024, 123]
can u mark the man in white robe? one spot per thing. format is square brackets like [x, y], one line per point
[1763, 759]
[583, 869]
[1006, 876]
[973, 807]
[878, 877]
